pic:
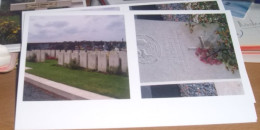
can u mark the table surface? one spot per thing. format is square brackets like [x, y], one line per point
[8, 92]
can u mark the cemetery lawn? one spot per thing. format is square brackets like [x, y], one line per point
[104, 84]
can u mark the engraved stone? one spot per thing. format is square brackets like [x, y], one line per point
[164, 52]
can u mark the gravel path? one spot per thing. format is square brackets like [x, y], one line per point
[199, 89]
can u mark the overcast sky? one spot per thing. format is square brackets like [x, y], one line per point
[76, 28]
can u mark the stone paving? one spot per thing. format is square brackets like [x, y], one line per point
[166, 52]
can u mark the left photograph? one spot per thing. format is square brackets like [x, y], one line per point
[76, 58]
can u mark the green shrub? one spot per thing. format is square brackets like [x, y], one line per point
[32, 58]
[74, 64]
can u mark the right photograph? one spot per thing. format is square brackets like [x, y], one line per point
[184, 47]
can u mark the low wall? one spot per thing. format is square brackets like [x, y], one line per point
[63, 90]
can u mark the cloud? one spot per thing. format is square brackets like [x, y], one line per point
[71, 30]
[76, 28]
[57, 24]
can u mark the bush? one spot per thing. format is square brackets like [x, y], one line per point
[9, 31]
[114, 70]
[32, 58]
[74, 64]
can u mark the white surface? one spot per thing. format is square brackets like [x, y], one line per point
[13, 47]
[134, 112]
[5, 57]
[255, 58]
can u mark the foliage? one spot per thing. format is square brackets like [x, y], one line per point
[224, 52]
[74, 64]
[10, 31]
[114, 70]
[207, 5]
[31, 58]
[109, 85]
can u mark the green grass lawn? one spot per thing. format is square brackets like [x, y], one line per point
[105, 84]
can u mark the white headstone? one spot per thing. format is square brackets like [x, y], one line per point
[48, 52]
[28, 54]
[102, 61]
[92, 60]
[38, 55]
[123, 60]
[43, 56]
[83, 61]
[113, 62]
[75, 56]
[60, 58]
[53, 53]
[57, 53]
[67, 57]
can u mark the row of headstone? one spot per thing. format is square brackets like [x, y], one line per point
[102, 61]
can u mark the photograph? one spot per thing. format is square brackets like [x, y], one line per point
[10, 24]
[183, 47]
[200, 5]
[227, 88]
[76, 58]
[238, 8]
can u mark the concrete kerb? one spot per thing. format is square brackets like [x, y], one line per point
[62, 89]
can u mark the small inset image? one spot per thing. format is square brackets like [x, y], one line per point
[202, 5]
[192, 90]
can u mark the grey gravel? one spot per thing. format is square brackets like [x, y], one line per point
[198, 89]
